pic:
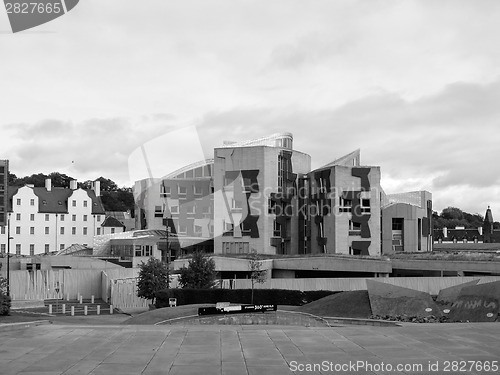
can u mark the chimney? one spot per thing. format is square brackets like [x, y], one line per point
[73, 185]
[445, 232]
[48, 184]
[97, 188]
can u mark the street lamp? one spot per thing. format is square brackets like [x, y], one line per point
[8, 254]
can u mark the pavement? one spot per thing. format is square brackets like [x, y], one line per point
[455, 348]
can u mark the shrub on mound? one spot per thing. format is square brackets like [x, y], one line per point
[4, 304]
[261, 296]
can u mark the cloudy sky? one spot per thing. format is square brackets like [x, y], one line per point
[414, 84]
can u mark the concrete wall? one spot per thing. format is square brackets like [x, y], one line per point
[430, 285]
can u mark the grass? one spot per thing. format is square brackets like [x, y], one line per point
[158, 315]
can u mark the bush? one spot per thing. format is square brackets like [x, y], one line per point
[4, 304]
[244, 296]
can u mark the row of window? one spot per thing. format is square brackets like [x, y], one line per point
[61, 217]
[61, 230]
[191, 209]
[32, 248]
[32, 202]
[166, 191]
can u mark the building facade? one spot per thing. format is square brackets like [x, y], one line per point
[262, 195]
[49, 219]
[407, 222]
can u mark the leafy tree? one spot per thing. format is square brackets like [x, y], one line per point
[257, 274]
[153, 277]
[199, 274]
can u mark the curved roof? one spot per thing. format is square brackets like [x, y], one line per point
[263, 141]
[189, 167]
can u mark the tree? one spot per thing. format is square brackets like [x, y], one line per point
[257, 274]
[4, 298]
[199, 274]
[153, 277]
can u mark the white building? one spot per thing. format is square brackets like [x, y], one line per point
[46, 219]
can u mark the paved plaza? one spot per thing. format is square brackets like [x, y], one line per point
[253, 350]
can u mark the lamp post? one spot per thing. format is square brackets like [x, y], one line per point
[8, 254]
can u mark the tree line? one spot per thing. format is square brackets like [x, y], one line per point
[452, 217]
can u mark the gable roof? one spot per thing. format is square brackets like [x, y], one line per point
[56, 200]
[112, 222]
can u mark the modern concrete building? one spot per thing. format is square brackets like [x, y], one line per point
[407, 222]
[49, 219]
[262, 195]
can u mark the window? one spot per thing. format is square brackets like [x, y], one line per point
[276, 229]
[61, 246]
[73, 203]
[148, 250]
[18, 249]
[198, 190]
[32, 202]
[18, 230]
[84, 203]
[138, 250]
[47, 230]
[345, 205]
[236, 204]
[182, 190]
[84, 217]
[112, 230]
[47, 248]
[98, 217]
[198, 229]
[98, 231]
[182, 228]
[206, 209]
[62, 217]
[18, 201]
[2, 248]
[164, 191]
[47, 217]
[397, 223]
[174, 209]
[18, 217]
[32, 230]
[354, 227]
[62, 230]
[32, 249]
[190, 209]
[32, 217]
[158, 211]
[85, 230]
[271, 206]
[73, 217]
[2, 230]
[73, 230]
[44, 202]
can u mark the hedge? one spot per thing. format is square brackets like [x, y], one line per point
[4, 304]
[261, 296]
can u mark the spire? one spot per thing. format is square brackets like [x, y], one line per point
[488, 217]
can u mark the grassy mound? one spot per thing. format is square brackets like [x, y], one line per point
[354, 304]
